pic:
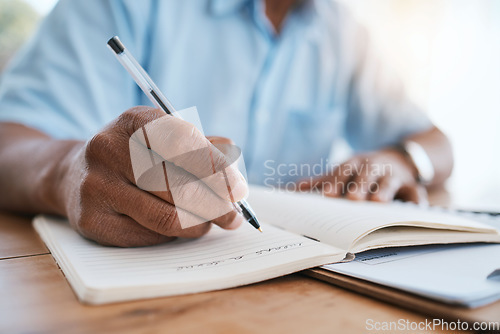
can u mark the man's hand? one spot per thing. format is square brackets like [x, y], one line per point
[104, 203]
[381, 176]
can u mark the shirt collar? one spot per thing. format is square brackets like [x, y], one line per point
[224, 7]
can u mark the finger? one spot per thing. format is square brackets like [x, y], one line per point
[150, 211]
[230, 221]
[342, 176]
[331, 183]
[215, 140]
[386, 189]
[154, 213]
[195, 231]
[184, 190]
[360, 185]
[181, 143]
[103, 190]
[121, 231]
[164, 218]
[226, 146]
[412, 193]
[192, 195]
[335, 186]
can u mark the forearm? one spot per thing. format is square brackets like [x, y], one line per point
[32, 167]
[438, 148]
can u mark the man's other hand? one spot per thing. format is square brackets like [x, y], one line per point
[381, 176]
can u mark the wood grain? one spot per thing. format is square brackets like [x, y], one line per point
[18, 238]
[37, 298]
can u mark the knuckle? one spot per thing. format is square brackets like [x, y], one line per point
[87, 187]
[136, 117]
[97, 146]
[108, 149]
[130, 115]
[90, 185]
[97, 192]
[127, 119]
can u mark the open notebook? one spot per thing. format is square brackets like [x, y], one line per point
[222, 259]
[462, 274]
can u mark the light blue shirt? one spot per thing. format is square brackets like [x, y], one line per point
[287, 98]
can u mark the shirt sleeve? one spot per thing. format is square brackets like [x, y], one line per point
[64, 81]
[380, 112]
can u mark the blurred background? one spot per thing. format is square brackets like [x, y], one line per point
[446, 51]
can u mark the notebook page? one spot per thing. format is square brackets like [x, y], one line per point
[410, 236]
[221, 259]
[340, 222]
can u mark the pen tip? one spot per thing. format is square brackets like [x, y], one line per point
[260, 230]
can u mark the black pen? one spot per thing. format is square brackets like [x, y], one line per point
[149, 88]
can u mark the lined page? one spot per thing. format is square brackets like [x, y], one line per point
[218, 260]
[341, 222]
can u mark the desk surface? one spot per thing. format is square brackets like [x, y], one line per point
[37, 298]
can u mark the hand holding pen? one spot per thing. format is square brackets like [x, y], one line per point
[157, 98]
[97, 190]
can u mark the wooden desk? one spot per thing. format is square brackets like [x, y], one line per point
[36, 298]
